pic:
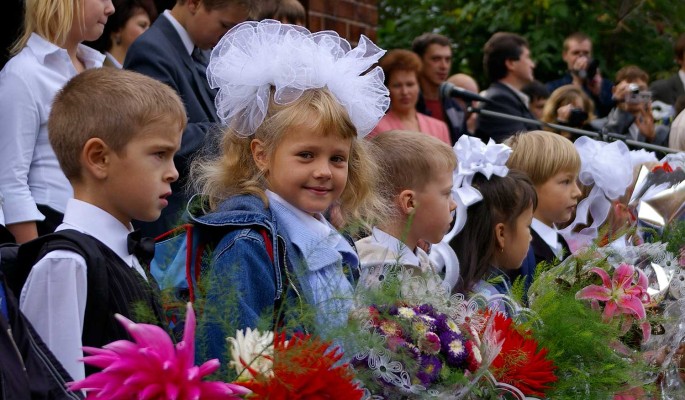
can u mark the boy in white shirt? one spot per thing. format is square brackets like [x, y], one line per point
[115, 134]
[417, 182]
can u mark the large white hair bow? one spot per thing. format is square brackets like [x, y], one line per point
[474, 156]
[254, 56]
[608, 166]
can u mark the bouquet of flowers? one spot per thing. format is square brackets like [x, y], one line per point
[273, 366]
[608, 309]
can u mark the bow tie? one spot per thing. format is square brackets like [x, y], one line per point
[141, 247]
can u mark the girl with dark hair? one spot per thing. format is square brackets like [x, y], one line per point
[494, 211]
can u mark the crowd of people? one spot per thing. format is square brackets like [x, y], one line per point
[287, 146]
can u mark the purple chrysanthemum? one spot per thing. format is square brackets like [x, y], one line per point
[429, 369]
[453, 346]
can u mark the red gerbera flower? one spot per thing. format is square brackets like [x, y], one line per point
[304, 368]
[519, 363]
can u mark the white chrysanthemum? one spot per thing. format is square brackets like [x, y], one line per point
[406, 312]
[253, 348]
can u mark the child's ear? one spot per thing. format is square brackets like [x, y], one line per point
[500, 231]
[96, 157]
[194, 5]
[259, 155]
[407, 201]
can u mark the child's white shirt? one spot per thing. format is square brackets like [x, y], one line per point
[54, 295]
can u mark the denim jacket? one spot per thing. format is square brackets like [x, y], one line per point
[243, 284]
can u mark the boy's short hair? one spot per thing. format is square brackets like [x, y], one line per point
[422, 42]
[536, 90]
[288, 11]
[111, 104]
[502, 46]
[409, 160]
[542, 154]
[632, 73]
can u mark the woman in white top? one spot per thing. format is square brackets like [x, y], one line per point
[46, 56]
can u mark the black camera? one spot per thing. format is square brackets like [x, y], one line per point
[590, 71]
[577, 118]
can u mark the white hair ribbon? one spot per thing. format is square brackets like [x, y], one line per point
[474, 156]
[254, 56]
[608, 167]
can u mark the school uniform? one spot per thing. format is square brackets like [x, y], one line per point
[164, 52]
[546, 244]
[31, 180]
[55, 297]
[381, 254]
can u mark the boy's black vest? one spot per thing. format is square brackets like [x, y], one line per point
[113, 287]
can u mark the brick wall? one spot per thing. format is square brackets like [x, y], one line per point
[350, 18]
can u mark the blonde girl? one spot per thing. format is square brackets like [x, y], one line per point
[46, 56]
[293, 151]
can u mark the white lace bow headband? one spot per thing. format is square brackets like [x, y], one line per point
[254, 56]
[474, 156]
[608, 167]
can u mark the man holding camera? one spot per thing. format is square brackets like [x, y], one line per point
[632, 115]
[583, 72]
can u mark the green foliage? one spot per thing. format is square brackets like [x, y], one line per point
[582, 347]
[674, 235]
[624, 32]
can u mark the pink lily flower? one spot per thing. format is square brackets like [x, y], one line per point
[622, 294]
[152, 367]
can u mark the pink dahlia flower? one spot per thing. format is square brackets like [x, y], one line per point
[152, 368]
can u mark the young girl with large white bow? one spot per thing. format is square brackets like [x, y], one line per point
[296, 105]
[494, 211]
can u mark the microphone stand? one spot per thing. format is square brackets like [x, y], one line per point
[595, 135]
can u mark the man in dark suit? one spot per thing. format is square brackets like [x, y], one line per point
[175, 51]
[507, 61]
[668, 90]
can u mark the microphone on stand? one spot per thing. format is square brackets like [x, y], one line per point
[449, 90]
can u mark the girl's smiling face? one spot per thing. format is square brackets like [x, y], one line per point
[308, 168]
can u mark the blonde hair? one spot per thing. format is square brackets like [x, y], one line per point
[235, 172]
[51, 19]
[564, 95]
[542, 154]
[111, 104]
[408, 160]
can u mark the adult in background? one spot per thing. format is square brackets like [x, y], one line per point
[632, 116]
[506, 57]
[570, 106]
[583, 72]
[131, 19]
[668, 90]
[466, 82]
[435, 51]
[175, 50]
[401, 69]
[537, 95]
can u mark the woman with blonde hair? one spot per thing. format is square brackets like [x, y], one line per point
[570, 106]
[46, 56]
